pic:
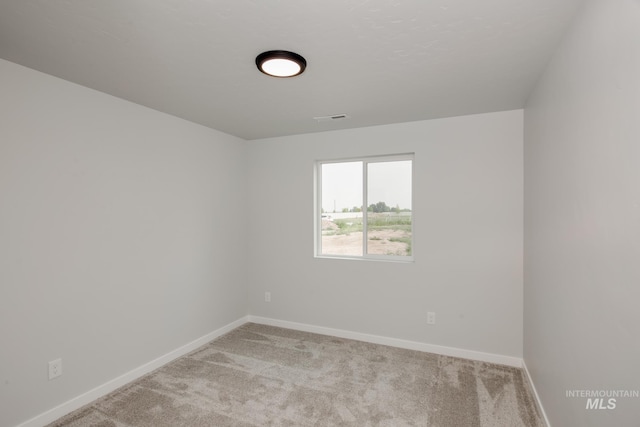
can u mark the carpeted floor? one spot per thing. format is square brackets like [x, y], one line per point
[260, 375]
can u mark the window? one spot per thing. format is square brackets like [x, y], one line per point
[363, 208]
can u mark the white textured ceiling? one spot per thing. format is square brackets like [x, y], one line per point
[379, 61]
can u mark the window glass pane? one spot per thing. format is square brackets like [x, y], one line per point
[389, 208]
[341, 209]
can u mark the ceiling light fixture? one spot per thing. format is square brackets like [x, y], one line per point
[281, 63]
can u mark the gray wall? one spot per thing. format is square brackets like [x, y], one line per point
[467, 242]
[120, 237]
[582, 218]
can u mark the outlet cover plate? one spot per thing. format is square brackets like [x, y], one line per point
[55, 368]
[431, 318]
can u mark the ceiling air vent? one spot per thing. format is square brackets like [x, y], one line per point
[332, 118]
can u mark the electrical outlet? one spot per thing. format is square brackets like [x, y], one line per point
[55, 368]
[267, 297]
[431, 318]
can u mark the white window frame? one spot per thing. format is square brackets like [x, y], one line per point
[318, 207]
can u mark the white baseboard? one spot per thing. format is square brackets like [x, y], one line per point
[88, 397]
[393, 342]
[535, 393]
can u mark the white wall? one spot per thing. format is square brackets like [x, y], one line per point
[582, 218]
[467, 225]
[121, 237]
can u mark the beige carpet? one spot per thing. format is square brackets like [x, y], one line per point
[260, 375]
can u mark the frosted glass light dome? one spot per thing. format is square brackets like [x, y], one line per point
[281, 63]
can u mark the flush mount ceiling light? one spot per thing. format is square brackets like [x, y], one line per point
[281, 63]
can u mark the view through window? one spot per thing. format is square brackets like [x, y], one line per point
[365, 207]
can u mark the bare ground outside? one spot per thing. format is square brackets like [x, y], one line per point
[381, 242]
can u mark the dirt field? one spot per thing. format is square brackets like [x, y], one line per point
[378, 244]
